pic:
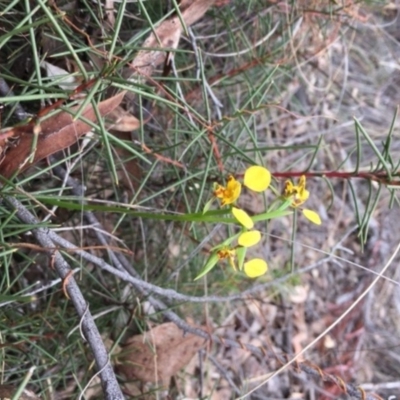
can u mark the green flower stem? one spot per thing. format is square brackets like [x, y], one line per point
[282, 204]
[212, 216]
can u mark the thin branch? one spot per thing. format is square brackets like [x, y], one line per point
[223, 371]
[36, 291]
[122, 264]
[109, 382]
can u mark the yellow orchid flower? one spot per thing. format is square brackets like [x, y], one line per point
[256, 178]
[245, 240]
[253, 268]
[298, 193]
[229, 193]
[229, 254]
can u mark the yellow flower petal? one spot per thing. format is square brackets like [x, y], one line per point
[243, 217]
[255, 267]
[312, 216]
[230, 193]
[304, 194]
[250, 238]
[257, 178]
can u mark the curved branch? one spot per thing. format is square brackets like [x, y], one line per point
[109, 382]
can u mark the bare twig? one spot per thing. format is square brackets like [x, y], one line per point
[109, 382]
[222, 370]
[122, 265]
[36, 291]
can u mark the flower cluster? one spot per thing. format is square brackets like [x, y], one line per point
[257, 179]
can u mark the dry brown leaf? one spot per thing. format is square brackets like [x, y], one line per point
[158, 354]
[167, 35]
[57, 133]
[121, 120]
